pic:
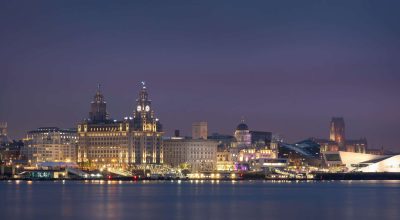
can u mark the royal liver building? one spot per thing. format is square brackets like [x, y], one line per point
[147, 145]
[107, 143]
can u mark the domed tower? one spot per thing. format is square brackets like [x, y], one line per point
[242, 135]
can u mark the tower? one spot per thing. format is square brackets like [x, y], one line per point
[147, 142]
[98, 108]
[199, 130]
[337, 131]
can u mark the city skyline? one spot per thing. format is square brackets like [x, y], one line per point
[187, 132]
[287, 68]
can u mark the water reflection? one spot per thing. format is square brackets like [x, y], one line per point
[199, 199]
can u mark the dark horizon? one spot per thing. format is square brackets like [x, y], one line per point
[287, 67]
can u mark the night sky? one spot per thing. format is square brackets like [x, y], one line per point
[286, 66]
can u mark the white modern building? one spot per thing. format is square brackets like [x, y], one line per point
[50, 144]
[360, 162]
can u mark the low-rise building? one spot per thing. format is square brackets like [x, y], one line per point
[362, 162]
[225, 161]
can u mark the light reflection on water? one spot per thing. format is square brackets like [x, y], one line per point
[199, 199]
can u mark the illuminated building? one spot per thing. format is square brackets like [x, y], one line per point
[245, 155]
[361, 162]
[243, 136]
[225, 161]
[50, 144]
[303, 153]
[338, 141]
[200, 155]
[326, 145]
[357, 146]
[266, 164]
[102, 142]
[199, 130]
[147, 143]
[337, 131]
[3, 133]
[133, 141]
[10, 153]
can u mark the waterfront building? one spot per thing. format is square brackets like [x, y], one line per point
[242, 135]
[268, 164]
[197, 154]
[225, 161]
[245, 155]
[303, 153]
[337, 131]
[133, 141]
[10, 153]
[362, 162]
[147, 143]
[199, 130]
[102, 142]
[50, 144]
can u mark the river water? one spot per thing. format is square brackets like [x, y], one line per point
[201, 200]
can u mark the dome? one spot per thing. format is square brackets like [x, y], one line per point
[242, 127]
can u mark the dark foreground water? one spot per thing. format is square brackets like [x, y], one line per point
[200, 200]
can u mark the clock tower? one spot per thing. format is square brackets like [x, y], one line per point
[143, 115]
[147, 138]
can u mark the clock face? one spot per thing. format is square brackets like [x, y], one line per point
[147, 108]
[139, 108]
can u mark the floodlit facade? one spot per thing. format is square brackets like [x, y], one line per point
[360, 162]
[243, 136]
[337, 131]
[200, 155]
[105, 143]
[50, 144]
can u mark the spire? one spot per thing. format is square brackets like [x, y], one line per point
[98, 88]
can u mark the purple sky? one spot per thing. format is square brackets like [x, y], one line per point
[286, 66]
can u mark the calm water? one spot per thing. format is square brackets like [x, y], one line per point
[201, 200]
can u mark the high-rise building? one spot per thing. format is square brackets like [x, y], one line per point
[147, 143]
[102, 142]
[3, 133]
[199, 130]
[50, 144]
[337, 131]
[120, 144]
